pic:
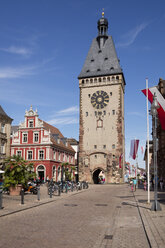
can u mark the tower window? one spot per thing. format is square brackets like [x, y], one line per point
[99, 51]
[89, 95]
[112, 68]
[108, 79]
[99, 79]
[105, 155]
[83, 81]
[117, 77]
[88, 71]
[95, 156]
[110, 93]
[91, 80]
[95, 146]
[113, 112]
[98, 69]
[95, 80]
[106, 58]
[113, 146]
[104, 146]
[86, 113]
[104, 112]
[92, 60]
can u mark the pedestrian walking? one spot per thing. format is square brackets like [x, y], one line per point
[131, 184]
[134, 183]
[145, 185]
[161, 185]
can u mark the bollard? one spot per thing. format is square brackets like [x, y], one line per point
[66, 188]
[50, 191]
[59, 190]
[22, 196]
[1, 200]
[38, 193]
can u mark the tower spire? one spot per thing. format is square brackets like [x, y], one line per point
[102, 26]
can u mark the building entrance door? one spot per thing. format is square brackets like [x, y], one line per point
[41, 172]
[96, 178]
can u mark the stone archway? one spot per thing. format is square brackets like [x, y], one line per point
[96, 175]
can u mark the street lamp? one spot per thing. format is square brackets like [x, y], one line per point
[153, 112]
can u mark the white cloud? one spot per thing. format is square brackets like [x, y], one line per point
[16, 72]
[17, 50]
[64, 121]
[131, 36]
[135, 114]
[69, 111]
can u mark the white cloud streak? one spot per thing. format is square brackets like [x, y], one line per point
[131, 36]
[69, 111]
[17, 50]
[135, 114]
[16, 72]
[65, 116]
[64, 121]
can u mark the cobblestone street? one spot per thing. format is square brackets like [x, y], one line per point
[102, 216]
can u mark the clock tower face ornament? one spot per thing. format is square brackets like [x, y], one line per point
[99, 99]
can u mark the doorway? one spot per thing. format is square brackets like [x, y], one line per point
[41, 173]
[97, 176]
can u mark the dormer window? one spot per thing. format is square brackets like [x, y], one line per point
[31, 123]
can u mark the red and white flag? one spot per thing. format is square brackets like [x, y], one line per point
[134, 148]
[161, 102]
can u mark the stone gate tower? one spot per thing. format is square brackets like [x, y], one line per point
[101, 131]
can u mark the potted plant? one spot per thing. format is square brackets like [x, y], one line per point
[17, 174]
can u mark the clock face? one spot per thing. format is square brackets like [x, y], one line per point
[99, 99]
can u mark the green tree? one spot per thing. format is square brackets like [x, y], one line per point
[17, 171]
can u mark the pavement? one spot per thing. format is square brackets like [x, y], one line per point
[153, 221]
[132, 222]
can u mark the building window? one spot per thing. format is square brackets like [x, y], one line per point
[113, 156]
[95, 113]
[105, 155]
[24, 137]
[59, 156]
[95, 156]
[2, 128]
[113, 146]
[68, 158]
[41, 154]
[36, 137]
[113, 112]
[54, 154]
[104, 146]
[86, 113]
[31, 123]
[110, 93]
[89, 95]
[19, 153]
[95, 146]
[2, 148]
[30, 155]
[104, 112]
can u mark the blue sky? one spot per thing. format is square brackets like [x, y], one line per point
[44, 43]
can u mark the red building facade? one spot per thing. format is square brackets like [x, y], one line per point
[43, 145]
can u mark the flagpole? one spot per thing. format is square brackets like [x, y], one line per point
[148, 168]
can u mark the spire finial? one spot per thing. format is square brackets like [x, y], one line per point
[103, 13]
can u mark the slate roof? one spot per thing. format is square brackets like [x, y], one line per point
[55, 133]
[2, 112]
[101, 62]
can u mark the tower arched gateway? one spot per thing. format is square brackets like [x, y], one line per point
[101, 137]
